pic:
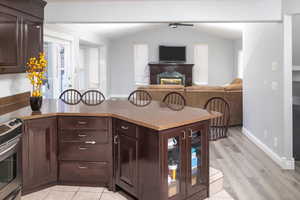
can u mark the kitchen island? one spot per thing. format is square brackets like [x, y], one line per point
[149, 152]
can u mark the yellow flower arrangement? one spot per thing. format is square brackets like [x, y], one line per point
[36, 68]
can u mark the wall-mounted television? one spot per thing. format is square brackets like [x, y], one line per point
[172, 53]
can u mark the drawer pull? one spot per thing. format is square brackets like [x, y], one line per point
[82, 123]
[82, 167]
[82, 148]
[116, 139]
[124, 127]
[82, 135]
[184, 133]
[90, 142]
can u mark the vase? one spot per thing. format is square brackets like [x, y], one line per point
[36, 103]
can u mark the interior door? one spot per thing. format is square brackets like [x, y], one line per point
[39, 153]
[173, 162]
[197, 158]
[10, 55]
[127, 163]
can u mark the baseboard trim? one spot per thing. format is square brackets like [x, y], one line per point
[283, 162]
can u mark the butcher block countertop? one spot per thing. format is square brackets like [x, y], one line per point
[156, 115]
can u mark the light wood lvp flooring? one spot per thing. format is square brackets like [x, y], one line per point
[249, 174]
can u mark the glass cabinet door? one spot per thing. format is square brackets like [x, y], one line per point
[174, 169]
[197, 160]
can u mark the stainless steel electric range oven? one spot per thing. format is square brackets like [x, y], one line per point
[10, 160]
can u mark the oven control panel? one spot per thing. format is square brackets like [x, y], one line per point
[10, 130]
[3, 128]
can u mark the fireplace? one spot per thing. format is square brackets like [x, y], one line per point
[171, 77]
[171, 74]
[170, 81]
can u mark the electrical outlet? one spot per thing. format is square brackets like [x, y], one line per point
[265, 134]
[275, 142]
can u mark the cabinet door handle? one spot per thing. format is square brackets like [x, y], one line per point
[82, 167]
[82, 148]
[82, 123]
[191, 133]
[184, 133]
[82, 135]
[116, 139]
[125, 127]
[90, 142]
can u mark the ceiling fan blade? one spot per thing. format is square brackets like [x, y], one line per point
[183, 24]
[175, 25]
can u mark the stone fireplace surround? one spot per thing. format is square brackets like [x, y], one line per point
[172, 73]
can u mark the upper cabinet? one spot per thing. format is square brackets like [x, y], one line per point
[33, 37]
[21, 33]
[10, 38]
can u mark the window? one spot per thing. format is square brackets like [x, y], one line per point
[141, 68]
[200, 69]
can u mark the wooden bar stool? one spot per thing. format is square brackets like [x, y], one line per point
[70, 96]
[218, 127]
[92, 97]
[140, 98]
[174, 101]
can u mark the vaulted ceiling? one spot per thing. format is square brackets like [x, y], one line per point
[113, 30]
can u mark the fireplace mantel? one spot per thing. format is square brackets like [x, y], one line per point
[182, 68]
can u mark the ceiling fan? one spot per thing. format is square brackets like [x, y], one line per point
[175, 25]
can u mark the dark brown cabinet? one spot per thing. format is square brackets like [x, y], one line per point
[33, 37]
[85, 151]
[197, 179]
[170, 164]
[126, 156]
[10, 41]
[39, 153]
[185, 161]
[100, 151]
[21, 30]
[174, 169]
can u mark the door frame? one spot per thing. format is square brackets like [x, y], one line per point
[288, 161]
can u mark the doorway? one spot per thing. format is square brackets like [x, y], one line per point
[58, 54]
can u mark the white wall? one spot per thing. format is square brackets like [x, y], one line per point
[237, 46]
[161, 11]
[12, 84]
[121, 64]
[263, 107]
[291, 6]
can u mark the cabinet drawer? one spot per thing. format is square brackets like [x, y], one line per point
[126, 128]
[83, 123]
[83, 152]
[99, 136]
[83, 172]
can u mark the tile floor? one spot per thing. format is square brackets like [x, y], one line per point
[91, 193]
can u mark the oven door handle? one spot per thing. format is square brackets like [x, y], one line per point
[8, 149]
